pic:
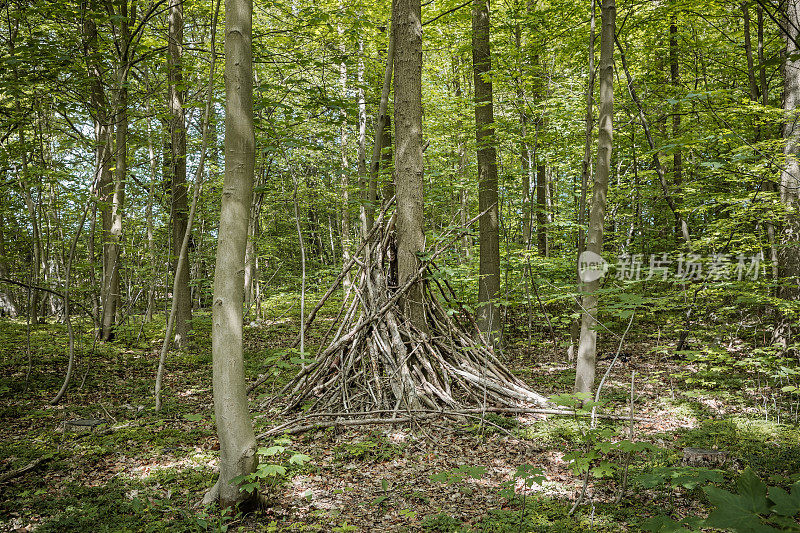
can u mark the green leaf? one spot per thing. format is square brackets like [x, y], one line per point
[271, 470]
[379, 500]
[752, 488]
[193, 417]
[786, 504]
[299, 459]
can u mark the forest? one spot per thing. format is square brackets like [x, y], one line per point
[400, 265]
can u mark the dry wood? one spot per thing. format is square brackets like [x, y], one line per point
[378, 360]
[25, 469]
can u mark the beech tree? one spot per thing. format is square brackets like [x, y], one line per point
[789, 258]
[587, 347]
[234, 425]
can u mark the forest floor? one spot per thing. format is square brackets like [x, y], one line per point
[145, 471]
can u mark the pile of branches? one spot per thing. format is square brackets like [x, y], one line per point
[378, 361]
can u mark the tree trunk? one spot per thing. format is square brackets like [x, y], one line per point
[789, 253]
[463, 194]
[587, 349]
[345, 165]
[363, 178]
[177, 169]
[677, 157]
[234, 426]
[541, 209]
[114, 216]
[489, 224]
[408, 162]
[8, 306]
[381, 150]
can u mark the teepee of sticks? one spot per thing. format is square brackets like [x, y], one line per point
[378, 361]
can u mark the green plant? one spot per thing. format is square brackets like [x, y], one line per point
[441, 522]
[376, 448]
[756, 508]
[273, 465]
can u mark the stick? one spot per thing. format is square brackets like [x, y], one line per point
[25, 469]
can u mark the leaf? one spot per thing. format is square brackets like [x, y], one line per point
[379, 500]
[752, 488]
[659, 524]
[736, 512]
[272, 450]
[786, 504]
[193, 417]
[604, 469]
[299, 459]
[271, 470]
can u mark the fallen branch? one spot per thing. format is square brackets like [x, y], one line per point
[24, 470]
[373, 417]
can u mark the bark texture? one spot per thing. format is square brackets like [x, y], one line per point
[789, 253]
[234, 426]
[408, 160]
[177, 170]
[489, 225]
[587, 349]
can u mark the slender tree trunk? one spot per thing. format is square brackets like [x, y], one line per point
[178, 186]
[586, 170]
[789, 253]
[461, 173]
[8, 306]
[112, 247]
[524, 153]
[151, 242]
[234, 425]
[363, 178]
[489, 224]
[408, 162]
[383, 135]
[587, 349]
[541, 209]
[345, 167]
[677, 157]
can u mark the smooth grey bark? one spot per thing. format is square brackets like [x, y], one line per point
[489, 223]
[8, 305]
[363, 178]
[408, 161]
[177, 171]
[344, 175]
[789, 251]
[234, 425]
[587, 349]
[113, 233]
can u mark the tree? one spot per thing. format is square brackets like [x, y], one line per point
[789, 256]
[408, 161]
[114, 193]
[489, 270]
[234, 426]
[587, 348]
[177, 169]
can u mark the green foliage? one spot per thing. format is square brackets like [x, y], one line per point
[275, 461]
[754, 508]
[376, 448]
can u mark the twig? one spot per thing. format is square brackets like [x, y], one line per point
[25, 469]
